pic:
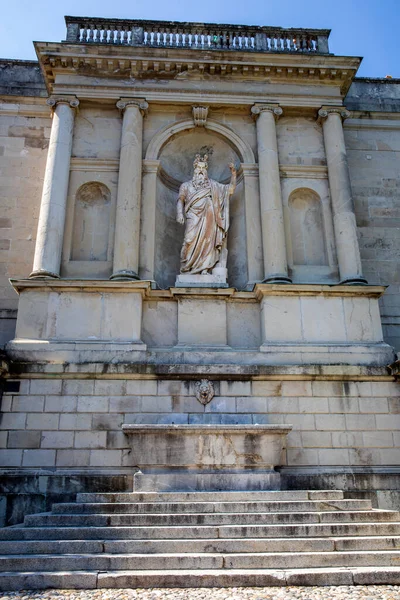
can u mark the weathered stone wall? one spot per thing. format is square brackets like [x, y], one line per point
[24, 134]
[21, 78]
[373, 146]
[373, 142]
[74, 426]
[77, 423]
[374, 95]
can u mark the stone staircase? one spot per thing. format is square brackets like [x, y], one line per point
[203, 539]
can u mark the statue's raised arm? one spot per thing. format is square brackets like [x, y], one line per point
[232, 184]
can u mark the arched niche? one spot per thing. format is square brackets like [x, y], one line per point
[307, 232]
[91, 224]
[176, 166]
[168, 162]
[164, 135]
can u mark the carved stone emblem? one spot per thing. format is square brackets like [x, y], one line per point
[204, 391]
[200, 115]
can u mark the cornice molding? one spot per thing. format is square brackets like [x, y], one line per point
[94, 164]
[17, 108]
[127, 62]
[303, 171]
[373, 121]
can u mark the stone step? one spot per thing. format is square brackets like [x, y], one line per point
[192, 561]
[210, 507]
[203, 532]
[200, 578]
[133, 497]
[107, 520]
[197, 539]
[185, 546]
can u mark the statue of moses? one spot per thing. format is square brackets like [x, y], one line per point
[205, 204]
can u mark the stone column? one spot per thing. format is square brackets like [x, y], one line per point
[344, 219]
[255, 267]
[148, 231]
[273, 231]
[50, 234]
[127, 222]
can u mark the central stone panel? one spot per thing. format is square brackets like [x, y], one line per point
[207, 457]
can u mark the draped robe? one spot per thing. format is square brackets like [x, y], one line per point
[207, 223]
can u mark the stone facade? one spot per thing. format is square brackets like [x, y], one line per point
[101, 337]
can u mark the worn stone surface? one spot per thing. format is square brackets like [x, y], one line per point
[340, 592]
[219, 539]
[21, 78]
[369, 94]
[334, 423]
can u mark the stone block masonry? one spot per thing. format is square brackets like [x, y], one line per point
[334, 423]
[73, 426]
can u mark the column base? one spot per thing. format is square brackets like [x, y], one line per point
[354, 281]
[124, 275]
[277, 279]
[43, 274]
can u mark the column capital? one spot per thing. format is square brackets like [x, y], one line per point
[275, 109]
[325, 111]
[53, 101]
[150, 165]
[140, 103]
[249, 170]
[200, 114]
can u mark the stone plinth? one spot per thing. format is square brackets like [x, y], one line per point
[72, 313]
[78, 321]
[216, 280]
[207, 457]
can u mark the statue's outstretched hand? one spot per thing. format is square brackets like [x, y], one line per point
[180, 219]
[232, 167]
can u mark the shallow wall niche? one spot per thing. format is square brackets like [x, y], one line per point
[176, 166]
[310, 240]
[90, 234]
[307, 228]
[89, 228]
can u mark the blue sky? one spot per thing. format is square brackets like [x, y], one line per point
[367, 28]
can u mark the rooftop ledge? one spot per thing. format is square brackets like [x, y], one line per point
[198, 36]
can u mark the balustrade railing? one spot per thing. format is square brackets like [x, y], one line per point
[202, 36]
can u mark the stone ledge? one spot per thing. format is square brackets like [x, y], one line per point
[239, 361]
[260, 289]
[21, 369]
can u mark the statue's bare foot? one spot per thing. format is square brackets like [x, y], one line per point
[205, 272]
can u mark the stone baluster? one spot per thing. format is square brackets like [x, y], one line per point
[127, 222]
[344, 219]
[272, 225]
[50, 234]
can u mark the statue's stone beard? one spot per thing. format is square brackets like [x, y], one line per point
[199, 183]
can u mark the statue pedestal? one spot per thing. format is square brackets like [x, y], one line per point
[215, 279]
